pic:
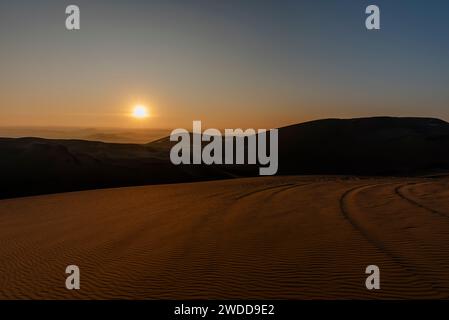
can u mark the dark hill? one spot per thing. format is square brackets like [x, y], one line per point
[365, 146]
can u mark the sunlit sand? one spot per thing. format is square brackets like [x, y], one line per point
[277, 237]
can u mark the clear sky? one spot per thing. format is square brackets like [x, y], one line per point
[229, 63]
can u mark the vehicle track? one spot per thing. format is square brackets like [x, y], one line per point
[398, 191]
[401, 261]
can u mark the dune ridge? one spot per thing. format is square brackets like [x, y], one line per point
[377, 146]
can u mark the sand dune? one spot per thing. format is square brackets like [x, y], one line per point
[276, 237]
[376, 146]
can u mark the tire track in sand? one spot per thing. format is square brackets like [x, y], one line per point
[403, 262]
[400, 193]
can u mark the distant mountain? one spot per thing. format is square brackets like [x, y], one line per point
[110, 135]
[365, 146]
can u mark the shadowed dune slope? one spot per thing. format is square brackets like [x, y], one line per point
[275, 237]
[31, 166]
[366, 146]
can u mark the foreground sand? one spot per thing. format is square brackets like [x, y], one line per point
[278, 237]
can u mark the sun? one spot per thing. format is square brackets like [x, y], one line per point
[140, 112]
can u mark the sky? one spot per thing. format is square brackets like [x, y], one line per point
[230, 64]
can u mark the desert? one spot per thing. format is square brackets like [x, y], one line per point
[261, 152]
[268, 238]
[139, 227]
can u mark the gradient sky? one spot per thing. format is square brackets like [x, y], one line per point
[259, 64]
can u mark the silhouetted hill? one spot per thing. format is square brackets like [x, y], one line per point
[365, 146]
[35, 166]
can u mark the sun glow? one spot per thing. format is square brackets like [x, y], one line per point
[140, 112]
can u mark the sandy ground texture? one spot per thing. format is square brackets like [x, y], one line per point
[275, 237]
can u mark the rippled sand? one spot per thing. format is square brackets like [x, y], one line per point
[275, 237]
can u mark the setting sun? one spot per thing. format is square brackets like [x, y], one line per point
[140, 112]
